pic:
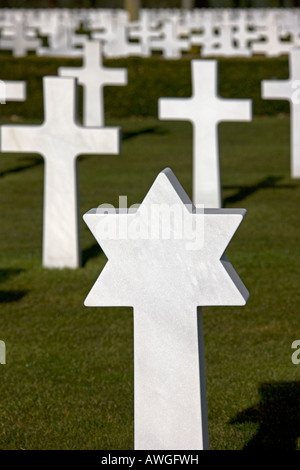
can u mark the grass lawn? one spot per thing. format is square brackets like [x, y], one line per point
[68, 381]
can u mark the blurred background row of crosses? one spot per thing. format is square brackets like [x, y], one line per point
[173, 32]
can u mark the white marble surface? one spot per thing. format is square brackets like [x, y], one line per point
[224, 45]
[93, 76]
[197, 25]
[170, 43]
[20, 40]
[158, 273]
[116, 43]
[272, 46]
[63, 42]
[11, 90]
[245, 33]
[143, 31]
[289, 90]
[60, 140]
[205, 109]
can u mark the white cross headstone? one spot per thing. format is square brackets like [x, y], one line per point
[205, 110]
[289, 90]
[118, 45]
[19, 41]
[272, 46]
[244, 35]
[225, 46]
[60, 140]
[63, 41]
[93, 77]
[106, 27]
[207, 37]
[289, 26]
[165, 259]
[170, 44]
[144, 32]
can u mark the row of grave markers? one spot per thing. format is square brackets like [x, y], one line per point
[60, 139]
[210, 33]
[169, 373]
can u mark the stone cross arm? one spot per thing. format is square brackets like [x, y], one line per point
[14, 90]
[92, 70]
[205, 105]
[60, 134]
[39, 139]
[284, 89]
[100, 77]
[274, 89]
[216, 111]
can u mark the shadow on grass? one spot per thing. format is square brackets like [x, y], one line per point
[148, 130]
[8, 273]
[244, 191]
[278, 417]
[10, 296]
[32, 162]
[92, 252]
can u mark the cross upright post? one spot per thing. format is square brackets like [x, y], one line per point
[205, 110]
[93, 77]
[143, 31]
[170, 44]
[289, 90]
[60, 140]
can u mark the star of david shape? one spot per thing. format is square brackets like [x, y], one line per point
[144, 270]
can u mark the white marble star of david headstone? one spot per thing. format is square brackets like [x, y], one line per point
[165, 259]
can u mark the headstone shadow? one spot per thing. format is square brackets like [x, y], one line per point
[148, 130]
[32, 162]
[91, 252]
[7, 296]
[277, 415]
[242, 192]
[11, 296]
